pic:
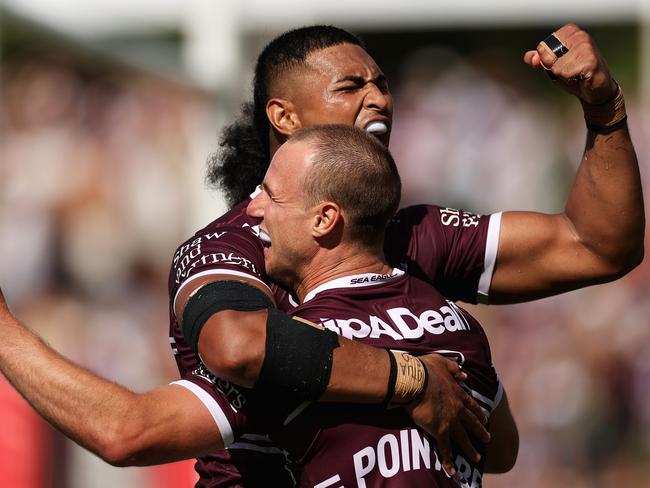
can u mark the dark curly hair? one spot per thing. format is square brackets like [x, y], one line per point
[241, 162]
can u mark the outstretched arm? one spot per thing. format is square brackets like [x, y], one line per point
[123, 428]
[599, 236]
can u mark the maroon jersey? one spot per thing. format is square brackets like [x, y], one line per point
[441, 245]
[359, 445]
[455, 251]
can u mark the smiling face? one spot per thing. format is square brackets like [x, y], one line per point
[280, 206]
[342, 84]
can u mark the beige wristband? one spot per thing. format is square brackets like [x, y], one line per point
[410, 380]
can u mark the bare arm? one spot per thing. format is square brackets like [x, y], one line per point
[599, 236]
[503, 448]
[121, 427]
[232, 345]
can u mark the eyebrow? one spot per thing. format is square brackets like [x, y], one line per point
[266, 188]
[361, 80]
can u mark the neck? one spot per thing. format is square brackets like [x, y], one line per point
[329, 265]
[275, 141]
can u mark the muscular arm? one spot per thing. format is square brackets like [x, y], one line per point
[232, 344]
[121, 427]
[599, 236]
[503, 448]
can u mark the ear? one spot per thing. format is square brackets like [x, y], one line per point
[327, 216]
[282, 116]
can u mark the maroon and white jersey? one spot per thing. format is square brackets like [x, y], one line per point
[336, 445]
[226, 246]
[453, 250]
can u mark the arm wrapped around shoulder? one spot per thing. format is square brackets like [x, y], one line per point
[215, 297]
[407, 380]
[298, 358]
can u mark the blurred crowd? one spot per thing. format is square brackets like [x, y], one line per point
[98, 179]
[95, 188]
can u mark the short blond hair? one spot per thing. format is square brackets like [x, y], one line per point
[355, 170]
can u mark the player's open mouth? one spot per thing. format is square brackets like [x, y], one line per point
[377, 127]
[266, 239]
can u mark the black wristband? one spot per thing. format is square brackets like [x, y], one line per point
[392, 378]
[606, 129]
[426, 376]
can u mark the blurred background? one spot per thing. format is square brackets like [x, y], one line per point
[109, 110]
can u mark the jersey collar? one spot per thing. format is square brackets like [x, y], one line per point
[354, 281]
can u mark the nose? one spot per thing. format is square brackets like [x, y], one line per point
[255, 207]
[378, 99]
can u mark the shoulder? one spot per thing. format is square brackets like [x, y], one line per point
[230, 243]
[434, 214]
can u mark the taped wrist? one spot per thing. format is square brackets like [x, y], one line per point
[215, 297]
[298, 358]
[407, 379]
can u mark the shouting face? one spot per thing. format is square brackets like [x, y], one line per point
[342, 84]
[285, 222]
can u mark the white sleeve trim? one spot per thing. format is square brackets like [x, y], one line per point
[249, 446]
[491, 247]
[230, 272]
[213, 407]
[492, 404]
[499, 396]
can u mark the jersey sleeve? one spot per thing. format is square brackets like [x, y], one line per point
[233, 251]
[453, 250]
[220, 398]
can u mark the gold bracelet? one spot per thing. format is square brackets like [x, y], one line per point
[608, 116]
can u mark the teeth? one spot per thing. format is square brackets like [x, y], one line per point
[265, 237]
[377, 127]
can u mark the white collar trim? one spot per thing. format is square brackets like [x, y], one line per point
[354, 281]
